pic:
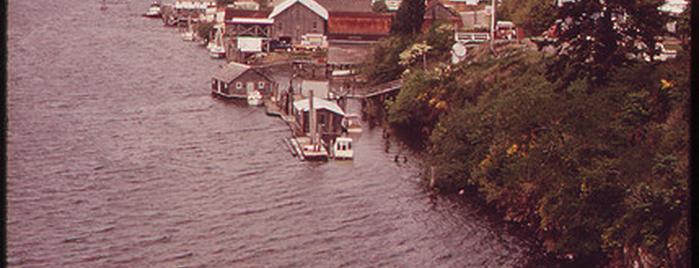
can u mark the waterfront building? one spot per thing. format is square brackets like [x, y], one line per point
[235, 80]
[328, 113]
[296, 18]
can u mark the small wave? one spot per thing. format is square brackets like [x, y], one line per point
[75, 239]
[106, 229]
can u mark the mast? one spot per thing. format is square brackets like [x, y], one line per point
[312, 116]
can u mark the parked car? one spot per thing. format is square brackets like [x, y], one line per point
[280, 44]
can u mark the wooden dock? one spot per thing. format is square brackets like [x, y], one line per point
[378, 90]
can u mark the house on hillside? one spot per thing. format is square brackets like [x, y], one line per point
[235, 80]
[435, 11]
[392, 5]
[461, 5]
[296, 18]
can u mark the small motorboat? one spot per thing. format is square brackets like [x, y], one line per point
[254, 98]
[352, 123]
[342, 148]
[153, 10]
[217, 52]
[216, 49]
[189, 34]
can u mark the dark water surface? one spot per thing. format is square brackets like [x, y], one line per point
[119, 157]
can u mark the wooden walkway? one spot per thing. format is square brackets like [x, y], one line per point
[376, 90]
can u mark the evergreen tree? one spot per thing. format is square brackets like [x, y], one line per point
[598, 35]
[409, 17]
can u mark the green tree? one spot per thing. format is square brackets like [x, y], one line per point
[379, 6]
[204, 30]
[408, 20]
[598, 35]
[384, 66]
[534, 16]
[684, 26]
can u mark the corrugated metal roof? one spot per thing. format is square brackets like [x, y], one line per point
[361, 23]
[312, 5]
[231, 71]
[318, 103]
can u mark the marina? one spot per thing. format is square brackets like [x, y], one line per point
[129, 147]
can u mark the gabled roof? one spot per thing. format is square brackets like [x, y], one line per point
[318, 103]
[231, 71]
[436, 3]
[310, 4]
[346, 5]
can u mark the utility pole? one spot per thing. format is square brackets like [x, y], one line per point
[492, 26]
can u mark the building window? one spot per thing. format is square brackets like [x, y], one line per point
[261, 85]
[280, 26]
[315, 25]
[321, 119]
[238, 85]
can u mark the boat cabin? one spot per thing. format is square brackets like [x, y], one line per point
[342, 148]
[235, 80]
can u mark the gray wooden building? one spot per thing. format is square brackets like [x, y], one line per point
[295, 18]
[235, 80]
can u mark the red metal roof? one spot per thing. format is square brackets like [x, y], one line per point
[359, 23]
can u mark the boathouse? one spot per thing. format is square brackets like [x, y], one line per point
[328, 114]
[235, 80]
[296, 18]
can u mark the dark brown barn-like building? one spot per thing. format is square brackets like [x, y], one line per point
[436, 12]
[235, 80]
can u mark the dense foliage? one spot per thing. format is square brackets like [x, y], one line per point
[599, 170]
[534, 16]
[384, 66]
[594, 35]
[204, 30]
[684, 26]
[587, 145]
[409, 17]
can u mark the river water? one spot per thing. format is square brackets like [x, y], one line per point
[118, 156]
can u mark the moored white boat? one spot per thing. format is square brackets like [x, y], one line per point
[217, 52]
[216, 49]
[342, 148]
[153, 10]
[189, 34]
[352, 123]
[254, 98]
